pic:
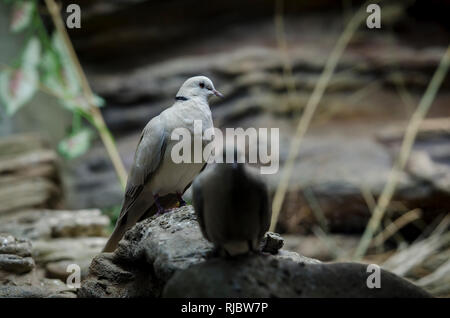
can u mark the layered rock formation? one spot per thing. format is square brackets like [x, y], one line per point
[19, 276]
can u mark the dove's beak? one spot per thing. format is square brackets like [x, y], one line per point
[217, 93]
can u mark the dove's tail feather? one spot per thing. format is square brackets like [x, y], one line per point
[127, 220]
[115, 238]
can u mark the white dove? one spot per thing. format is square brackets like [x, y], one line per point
[154, 174]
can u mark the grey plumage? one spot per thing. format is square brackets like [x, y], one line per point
[154, 175]
[232, 207]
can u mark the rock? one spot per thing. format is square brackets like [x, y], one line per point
[42, 289]
[15, 255]
[167, 256]
[436, 171]
[29, 176]
[62, 249]
[341, 247]
[59, 269]
[295, 257]
[11, 245]
[258, 277]
[45, 224]
[16, 264]
[57, 254]
[272, 242]
[330, 177]
[166, 244]
[19, 276]
[22, 292]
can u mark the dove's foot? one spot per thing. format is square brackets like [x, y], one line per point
[180, 200]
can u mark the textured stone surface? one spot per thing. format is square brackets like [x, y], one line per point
[11, 245]
[272, 243]
[67, 249]
[167, 256]
[19, 277]
[16, 264]
[15, 255]
[258, 276]
[41, 289]
[45, 224]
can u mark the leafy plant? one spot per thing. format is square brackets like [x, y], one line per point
[48, 62]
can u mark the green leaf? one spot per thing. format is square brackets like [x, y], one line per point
[21, 15]
[32, 53]
[49, 63]
[76, 144]
[63, 79]
[80, 102]
[17, 87]
[68, 71]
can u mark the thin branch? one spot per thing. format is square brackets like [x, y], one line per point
[395, 226]
[97, 117]
[408, 141]
[44, 88]
[310, 109]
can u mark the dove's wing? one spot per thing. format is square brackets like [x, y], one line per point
[149, 154]
[147, 159]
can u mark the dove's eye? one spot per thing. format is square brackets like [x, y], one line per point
[202, 85]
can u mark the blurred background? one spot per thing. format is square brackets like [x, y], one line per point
[266, 58]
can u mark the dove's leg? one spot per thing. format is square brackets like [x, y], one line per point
[158, 205]
[180, 199]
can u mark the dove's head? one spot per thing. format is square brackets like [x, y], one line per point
[198, 86]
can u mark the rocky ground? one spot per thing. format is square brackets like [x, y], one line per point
[167, 256]
[37, 246]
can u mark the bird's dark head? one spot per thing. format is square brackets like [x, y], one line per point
[197, 86]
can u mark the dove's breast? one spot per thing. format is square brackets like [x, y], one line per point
[173, 177]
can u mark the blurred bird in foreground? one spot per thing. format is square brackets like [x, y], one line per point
[232, 206]
[154, 174]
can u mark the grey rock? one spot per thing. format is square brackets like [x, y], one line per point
[58, 269]
[342, 246]
[295, 257]
[44, 288]
[11, 245]
[166, 256]
[22, 292]
[16, 264]
[61, 249]
[19, 277]
[45, 224]
[15, 255]
[272, 242]
[257, 276]
[422, 165]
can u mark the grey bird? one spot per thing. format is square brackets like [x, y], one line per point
[154, 176]
[232, 206]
